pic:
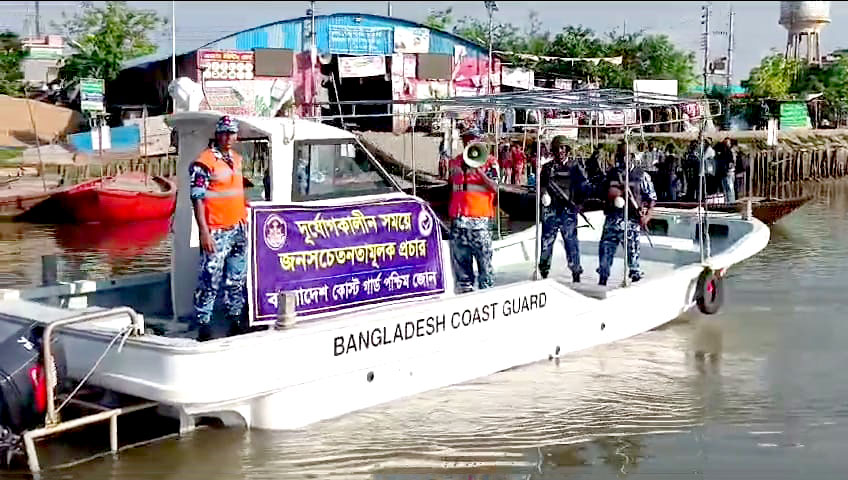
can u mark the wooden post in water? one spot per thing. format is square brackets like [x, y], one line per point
[49, 270]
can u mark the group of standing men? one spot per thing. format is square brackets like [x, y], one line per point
[220, 207]
[566, 183]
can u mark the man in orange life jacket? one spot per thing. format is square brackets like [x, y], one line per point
[217, 193]
[471, 211]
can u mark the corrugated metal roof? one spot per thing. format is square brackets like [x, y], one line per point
[291, 34]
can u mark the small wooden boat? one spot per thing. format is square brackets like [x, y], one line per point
[766, 210]
[19, 194]
[129, 197]
[519, 202]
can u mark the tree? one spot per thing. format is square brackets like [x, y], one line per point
[11, 56]
[104, 38]
[643, 55]
[439, 19]
[774, 77]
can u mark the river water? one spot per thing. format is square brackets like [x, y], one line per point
[768, 401]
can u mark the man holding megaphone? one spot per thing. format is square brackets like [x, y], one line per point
[472, 208]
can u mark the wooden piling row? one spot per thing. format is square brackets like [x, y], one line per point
[75, 173]
[775, 170]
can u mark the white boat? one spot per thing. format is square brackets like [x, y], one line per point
[334, 361]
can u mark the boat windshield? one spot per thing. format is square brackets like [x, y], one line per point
[334, 169]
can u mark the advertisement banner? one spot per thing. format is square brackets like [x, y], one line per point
[412, 40]
[225, 64]
[338, 257]
[350, 67]
[347, 40]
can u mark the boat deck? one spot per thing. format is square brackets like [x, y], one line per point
[519, 272]
[135, 182]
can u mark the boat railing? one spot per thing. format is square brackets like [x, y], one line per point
[53, 425]
[137, 327]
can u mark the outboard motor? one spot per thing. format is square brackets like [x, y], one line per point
[23, 387]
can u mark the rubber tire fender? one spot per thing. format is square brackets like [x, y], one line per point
[709, 293]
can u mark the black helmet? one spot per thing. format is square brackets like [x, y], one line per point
[558, 141]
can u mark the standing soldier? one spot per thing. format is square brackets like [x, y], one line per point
[217, 193]
[642, 200]
[471, 211]
[565, 186]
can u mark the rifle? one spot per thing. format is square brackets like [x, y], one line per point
[635, 208]
[560, 193]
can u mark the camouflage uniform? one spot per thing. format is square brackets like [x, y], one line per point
[613, 232]
[227, 263]
[471, 239]
[561, 215]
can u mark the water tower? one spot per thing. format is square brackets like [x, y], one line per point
[804, 22]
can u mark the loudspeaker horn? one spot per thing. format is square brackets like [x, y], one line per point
[475, 155]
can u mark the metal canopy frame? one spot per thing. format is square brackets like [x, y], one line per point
[594, 102]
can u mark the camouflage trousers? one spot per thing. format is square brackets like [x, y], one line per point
[225, 266]
[555, 222]
[611, 237]
[470, 240]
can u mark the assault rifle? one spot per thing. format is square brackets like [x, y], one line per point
[560, 193]
[634, 207]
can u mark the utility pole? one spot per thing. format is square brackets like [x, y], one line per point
[173, 41]
[37, 21]
[491, 7]
[705, 20]
[313, 54]
[730, 50]
[389, 8]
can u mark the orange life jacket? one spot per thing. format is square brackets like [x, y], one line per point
[224, 199]
[470, 196]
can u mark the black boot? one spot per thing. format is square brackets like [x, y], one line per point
[602, 281]
[204, 333]
[575, 277]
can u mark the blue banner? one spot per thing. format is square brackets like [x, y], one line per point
[339, 257]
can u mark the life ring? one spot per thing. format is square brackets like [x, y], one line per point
[710, 292]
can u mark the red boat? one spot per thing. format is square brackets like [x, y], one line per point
[129, 197]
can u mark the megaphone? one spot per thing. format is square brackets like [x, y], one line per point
[475, 155]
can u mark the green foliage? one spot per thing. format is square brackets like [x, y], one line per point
[11, 56]
[643, 55]
[774, 77]
[439, 19]
[106, 37]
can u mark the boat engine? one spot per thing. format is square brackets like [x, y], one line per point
[23, 387]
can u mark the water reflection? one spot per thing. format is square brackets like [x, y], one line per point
[90, 251]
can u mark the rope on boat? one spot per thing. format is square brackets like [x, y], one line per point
[123, 334]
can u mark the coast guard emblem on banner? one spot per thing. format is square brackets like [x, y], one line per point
[275, 232]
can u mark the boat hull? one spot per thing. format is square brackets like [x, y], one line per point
[98, 201]
[325, 367]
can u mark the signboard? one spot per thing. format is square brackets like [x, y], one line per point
[794, 115]
[412, 40]
[373, 66]
[44, 53]
[517, 77]
[225, 64]
[360, 40]
[338, 257]
[92, 94]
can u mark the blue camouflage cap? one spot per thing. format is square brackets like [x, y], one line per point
[226, 124]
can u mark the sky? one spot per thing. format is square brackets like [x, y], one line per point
[756, 29]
